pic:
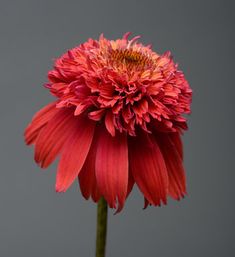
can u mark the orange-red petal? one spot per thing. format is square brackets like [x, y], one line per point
[74, 153]
[148, 168]
[175, 169]
[39, 120]
[87, 177]
[112, 167]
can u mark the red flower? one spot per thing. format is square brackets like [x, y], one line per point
[117, 121]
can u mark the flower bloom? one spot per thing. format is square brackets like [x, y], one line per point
[116, 121]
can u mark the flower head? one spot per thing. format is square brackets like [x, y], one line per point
[116, 121]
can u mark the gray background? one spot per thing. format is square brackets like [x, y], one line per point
[34, 220]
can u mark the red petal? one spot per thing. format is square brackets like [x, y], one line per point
[112, 167]
[176, 174]
[87, 178]
[175, 138]
[109, 123]
[79, 109]
[74, 153]
[96, 115]
[39, 120]
[131, 183]
[53, 136]
[148, 168]
[146, 203]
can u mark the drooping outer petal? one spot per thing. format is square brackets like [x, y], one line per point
[39, 120]
[173, 160]
[74, 153]
[53, 136]
[176, 140]
[87, 177]
[148, 168]
[112, 167]
[131, 183]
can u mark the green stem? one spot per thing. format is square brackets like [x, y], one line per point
[102, 214]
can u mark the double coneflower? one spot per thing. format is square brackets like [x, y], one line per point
[116, 121]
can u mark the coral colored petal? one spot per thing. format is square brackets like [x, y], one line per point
[53, 136]
[96, 115]
[176, 174]
[148, 168]
[74, 153]
[87, 177]
[109, 123]
[112, 167]
[39, 120]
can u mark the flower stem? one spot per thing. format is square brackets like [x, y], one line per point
[102, 214]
